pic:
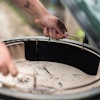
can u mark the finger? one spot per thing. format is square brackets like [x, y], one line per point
[59, 36]
[12, 69]
[51, 33]
[45, 32]
[60, 28]
[63, 34]
[54, 34]
[5, 70]
[0, 68]
[39, 24]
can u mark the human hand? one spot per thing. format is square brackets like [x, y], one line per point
[52, 26]
[6, 63]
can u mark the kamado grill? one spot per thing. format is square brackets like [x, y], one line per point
[56, 70]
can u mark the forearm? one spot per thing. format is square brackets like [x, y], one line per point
[33, 7]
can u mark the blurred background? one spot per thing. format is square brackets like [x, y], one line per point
[16, 23]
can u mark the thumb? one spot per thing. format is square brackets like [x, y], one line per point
[60, 27]
[37, 21]
[12, 69]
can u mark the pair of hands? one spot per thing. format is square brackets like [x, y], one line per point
[52, 27]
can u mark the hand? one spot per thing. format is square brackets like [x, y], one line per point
[52, 26]
[6, 63]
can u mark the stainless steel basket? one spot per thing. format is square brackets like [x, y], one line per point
[67, 52]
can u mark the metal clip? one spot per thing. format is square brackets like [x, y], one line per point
[85, 40]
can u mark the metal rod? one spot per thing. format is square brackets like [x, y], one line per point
[35, 81]
[69, 34]
[82, 45]
[49, 39]
[36, 46]
[47, 71]
[36, 50]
